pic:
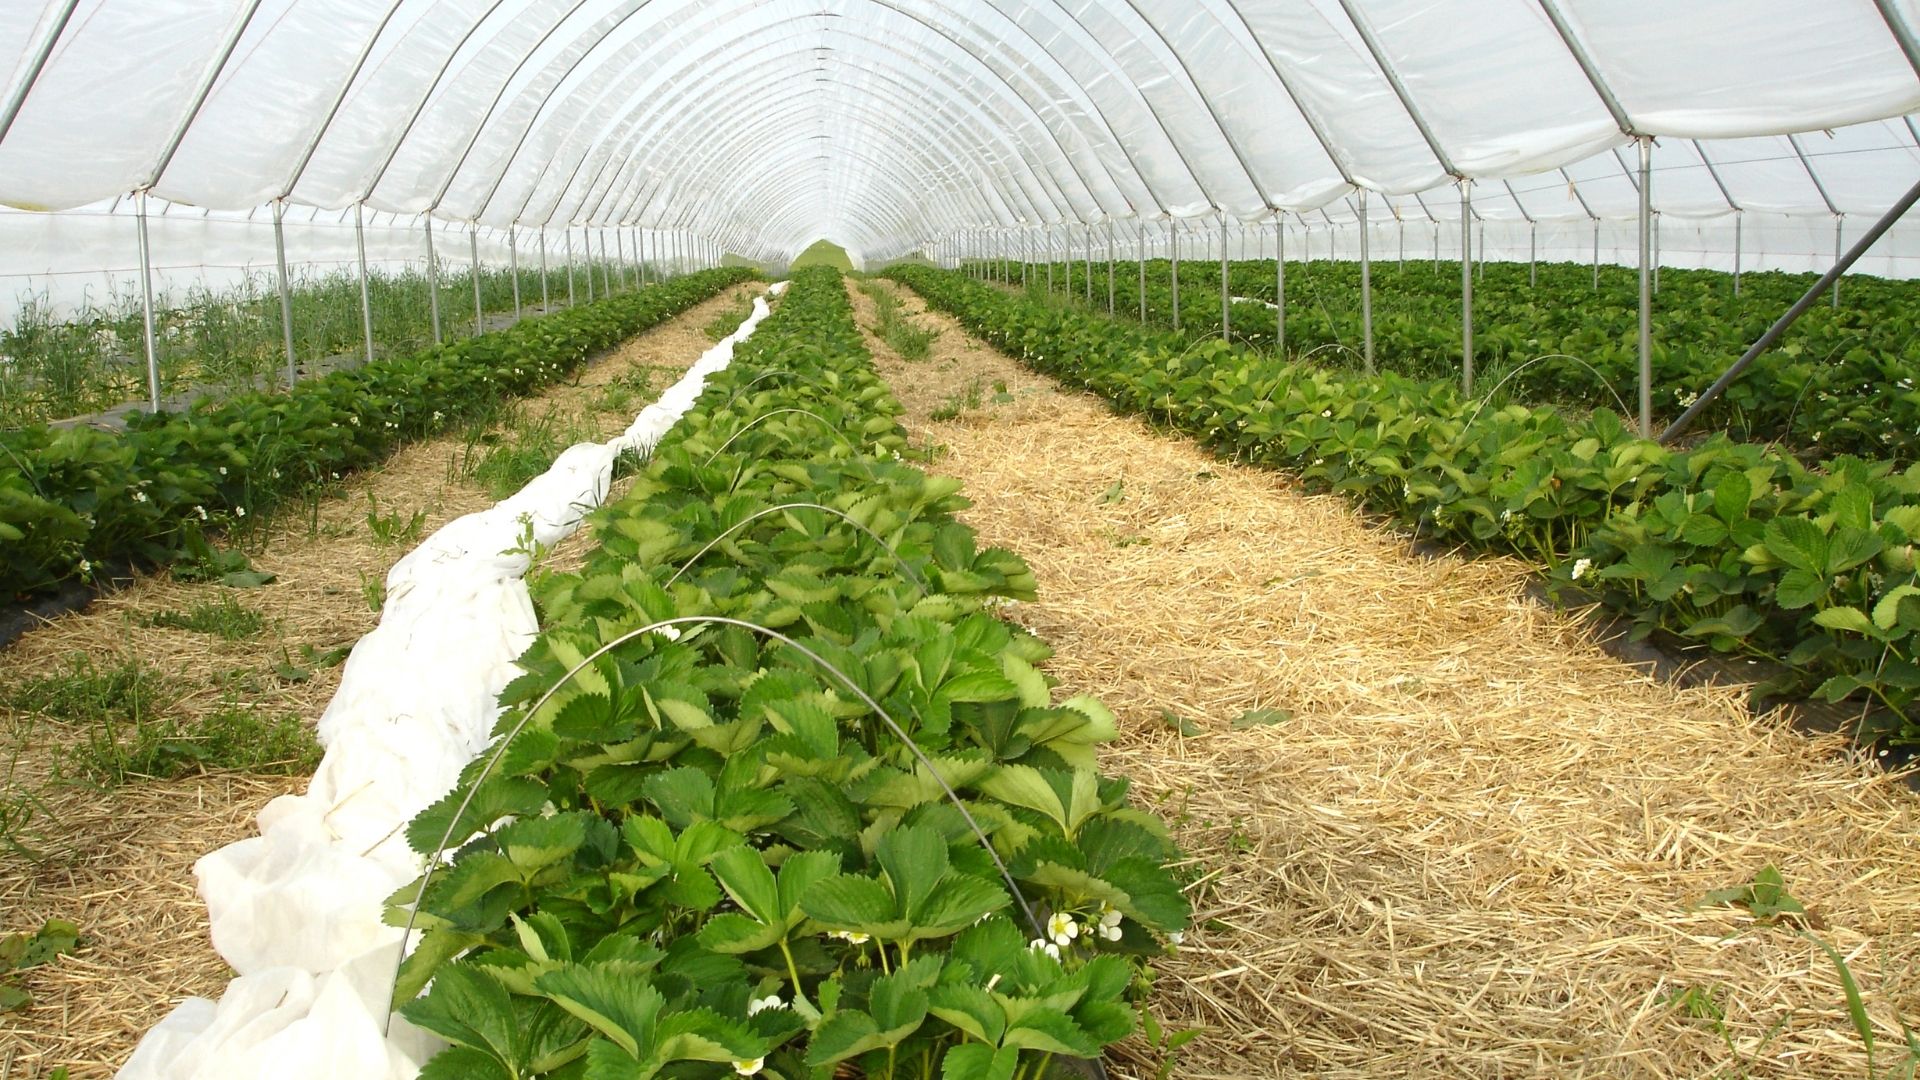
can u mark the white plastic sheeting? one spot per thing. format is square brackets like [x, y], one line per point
[88, 258]
[296, 911]
[890, 124]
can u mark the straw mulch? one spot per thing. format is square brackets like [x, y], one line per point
[1476, 845]
[119, 861]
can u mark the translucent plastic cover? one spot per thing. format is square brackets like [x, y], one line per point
[898, 124]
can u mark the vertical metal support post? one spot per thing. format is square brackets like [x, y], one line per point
[1838, 219]
[1026, 257]
[146, 305]
[546, 303]
[1596, 254]
[1143, 271]
[1466, 287]
[1226, 330]
[286, 294]
[1048, 234]
[1436, 246]
[640, 242]
[620, 258]
[366, 301]
[1087, 258]
[1173, 272]
[568, 232]
[1738, 219]
[1533, 254]
[433, 280]
[586, 241]
[1109, 267]
[1280, 287]
[473, 253]
[513, 267]
[1646, 287]
[1656, 253]
[1366, 283]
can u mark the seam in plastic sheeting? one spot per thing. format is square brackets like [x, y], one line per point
[297, 910]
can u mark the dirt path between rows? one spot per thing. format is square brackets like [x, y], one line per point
[119, 860]
[1434, 830]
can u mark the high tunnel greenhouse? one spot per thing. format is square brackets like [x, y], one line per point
[1006, 540]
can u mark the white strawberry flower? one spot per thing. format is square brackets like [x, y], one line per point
[749, 1067]
[856, 937]
[1045, 946]
[1062, 929]
[1109, 925]
[760, 1005]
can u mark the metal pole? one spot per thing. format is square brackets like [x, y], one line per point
[1596, 254]
[1656, 252]
[1533, 254]
[640, 242]
[473, 253]
[366, 301]
[1800, 306]
[1280, 287]
[1143, 272]
[286, 294]
[1838, 219]
[567, 231]
[586, 241]
[1466, 287]
[146, 304]
[620, 257]
[513, 266]
[545, 300]
[1087, 235]
[1109, 267]
[1366, 283]
[1173, 251]
[1646, 287]
[1049, 246]
[1738, 219]
[1226, 331]
[433, 280]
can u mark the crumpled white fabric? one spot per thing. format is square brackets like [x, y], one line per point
[296, 910]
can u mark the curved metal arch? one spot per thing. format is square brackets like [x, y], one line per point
[952, 168]
[903, 100]
[879, 222]
[978, 135]
[626, 210]
[905, 184]
[1008, 95]
[420, 107]
[1119, 67]
[1091, 195]
[1260, 52]
[635, 121]
[1098, 52]
[1186, 72]
[748, 205]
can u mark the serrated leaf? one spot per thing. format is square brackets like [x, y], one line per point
[610, 999]
[976, 1061]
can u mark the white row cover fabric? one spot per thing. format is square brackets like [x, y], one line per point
[297, 910]
[891, 123]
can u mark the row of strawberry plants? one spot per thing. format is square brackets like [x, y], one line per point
[778, 795]
[1842, 382]
[1738, 545]
[73, 497]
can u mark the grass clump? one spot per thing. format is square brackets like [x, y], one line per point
[906, 338]
[83, 692]
[955, 404]
[524, 450]
[226, 619]
[234, 738]
[729, 318]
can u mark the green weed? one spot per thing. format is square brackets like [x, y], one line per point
[126, 692]
[225, 618]
[389, 529]
[234, 738]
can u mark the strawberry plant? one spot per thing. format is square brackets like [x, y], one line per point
[777, 795]
[1740, 546]
[71, 498]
